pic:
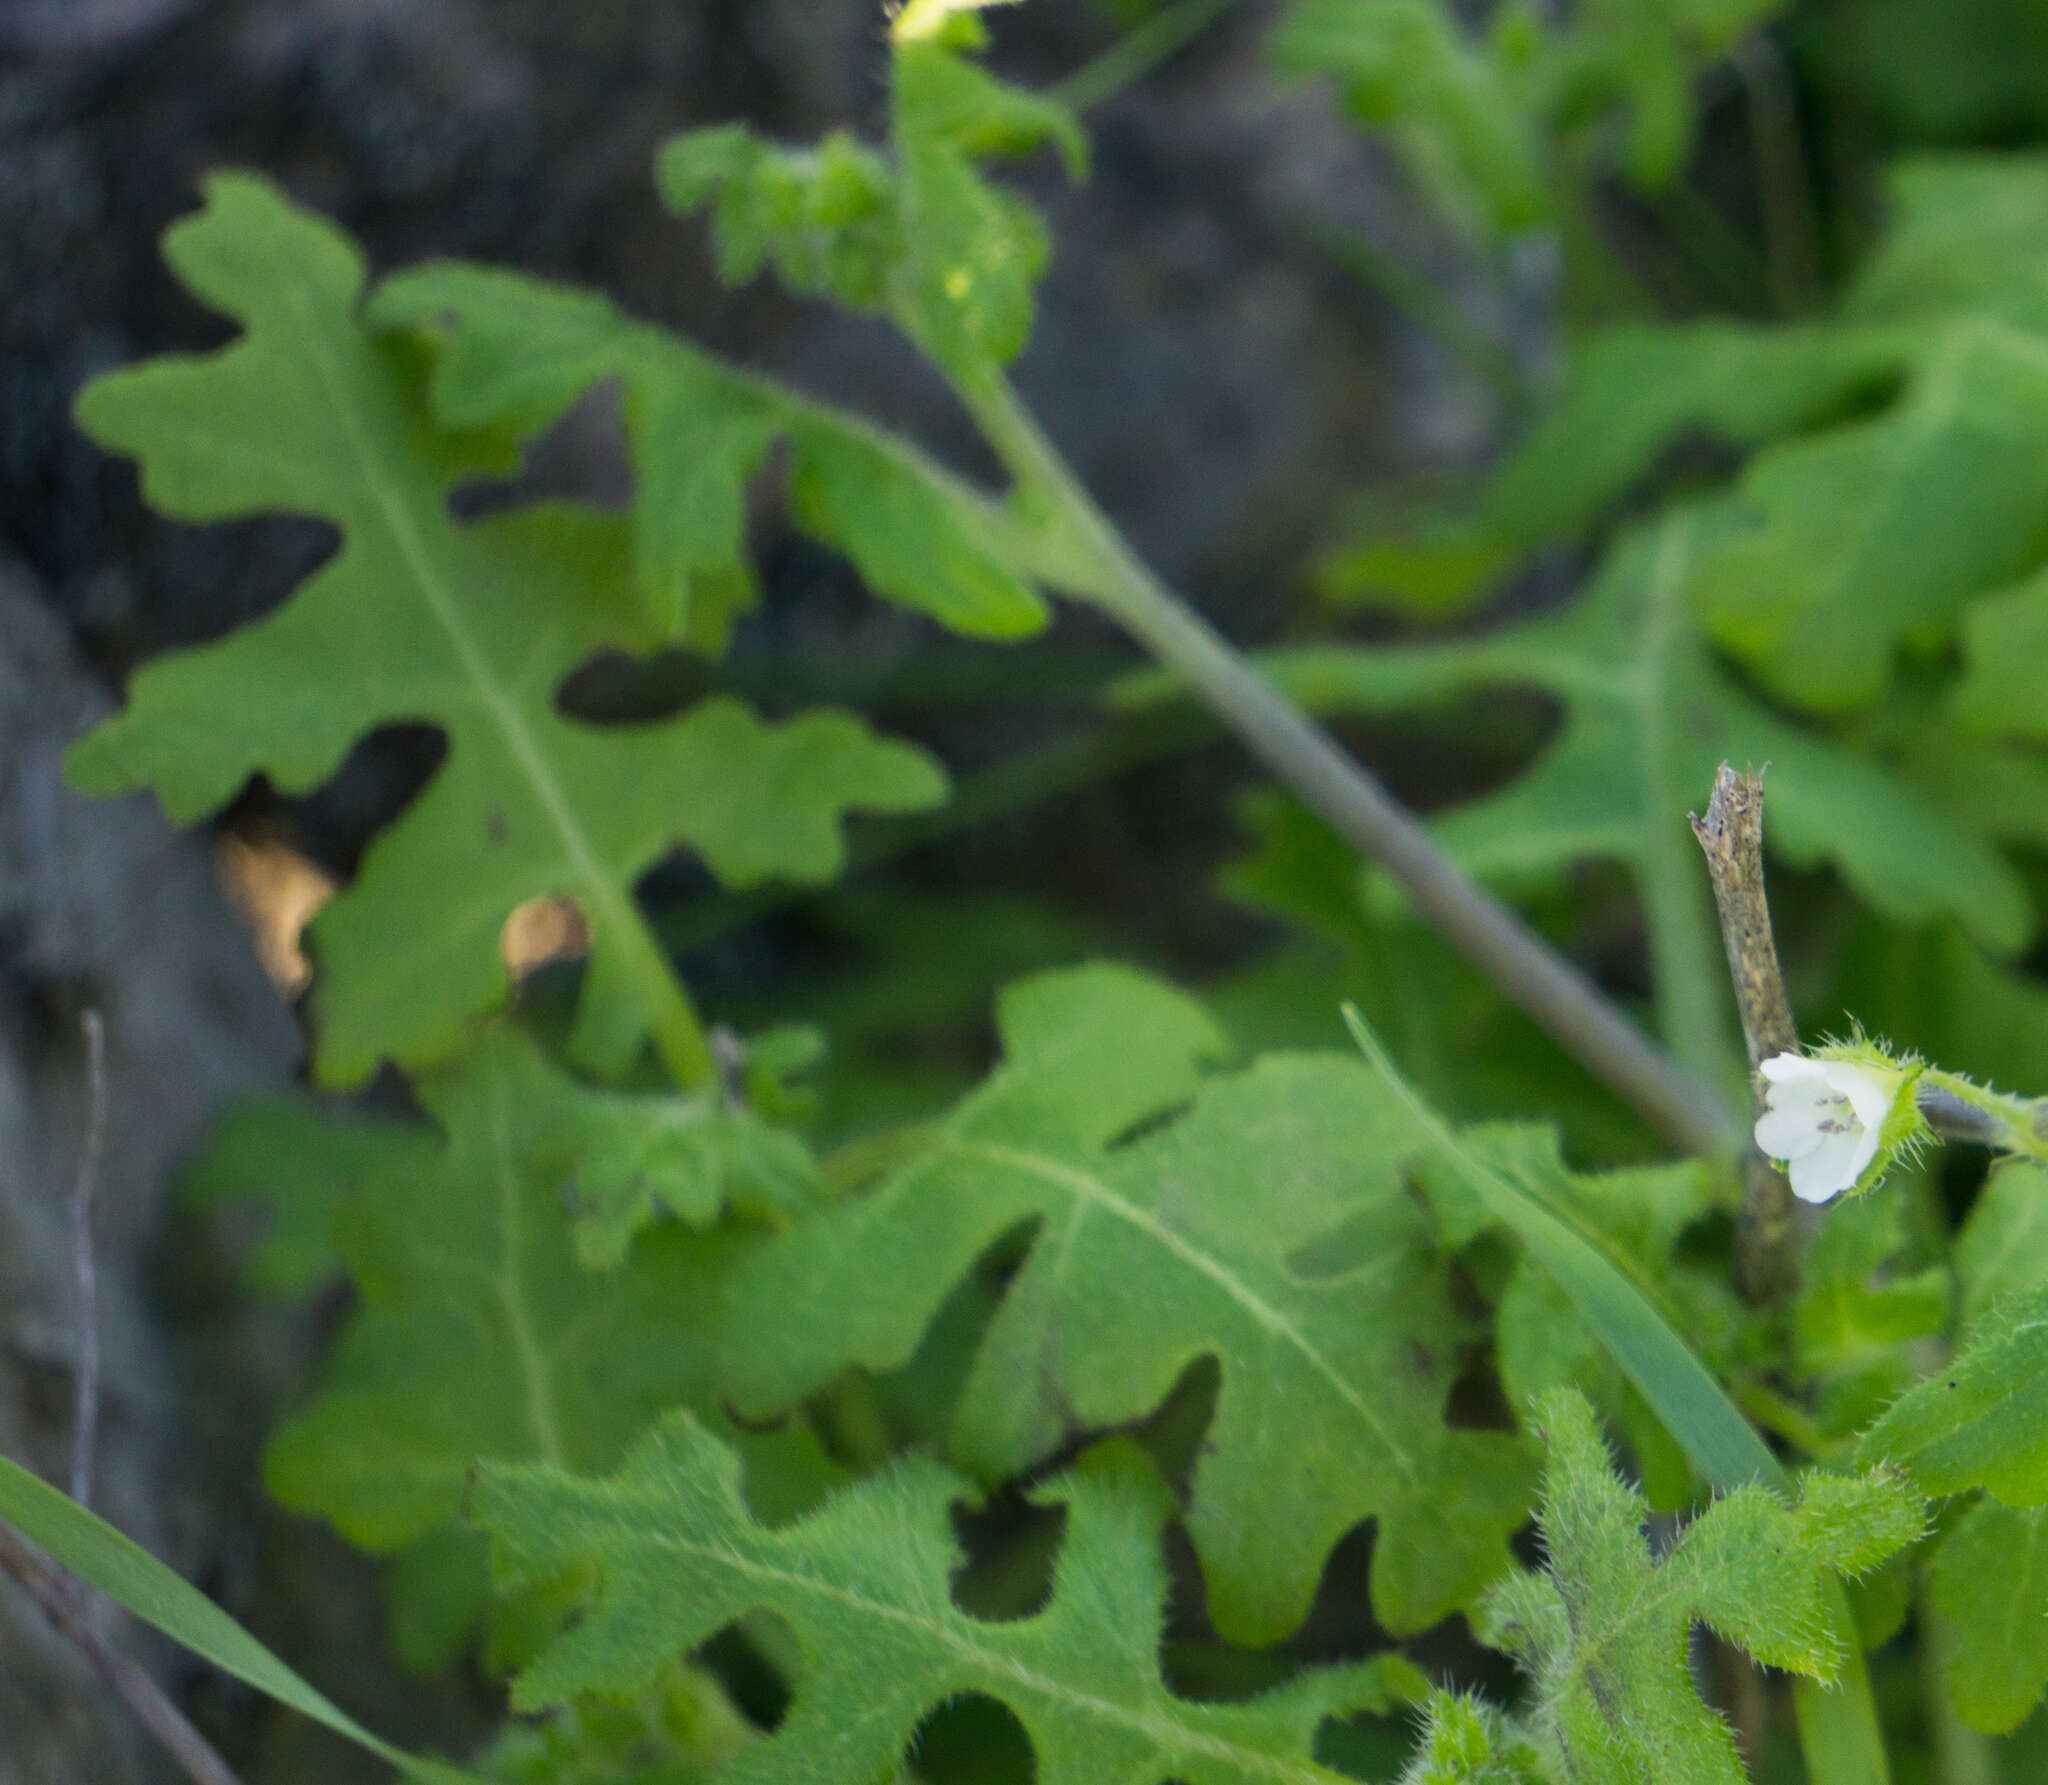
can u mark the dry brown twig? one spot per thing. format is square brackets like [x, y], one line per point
[60, 1596]
[1732, 834]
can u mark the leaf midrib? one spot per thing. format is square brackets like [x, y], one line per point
[1094, 1193]
[496, 700]
[1004, 1670]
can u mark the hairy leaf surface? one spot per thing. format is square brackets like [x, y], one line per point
[1265, 1225]
[863, 1583]
[1605, 1631]
[1983, 1420]
[472, 628]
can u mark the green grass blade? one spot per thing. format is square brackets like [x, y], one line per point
[1722, 1444]
[98, 1554]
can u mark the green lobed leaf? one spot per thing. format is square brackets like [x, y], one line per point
[509, 349]
[2003, 1247]
[418, 617]
[921, 237]
[1649, 717]
[1605, 1632]
[1636, 391]
[1990, 1580]
[292, 1165]
[863, 1584]
[478, 1334]
[1874, 535]
[1983, 1420]
[2005, 646]
[1204, 1235]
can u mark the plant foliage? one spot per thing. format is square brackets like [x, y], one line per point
[714, 1449]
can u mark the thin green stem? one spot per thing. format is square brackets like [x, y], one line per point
[1961, 1755]
[1840, 1737]
[1135, 55]
[1791, 240]
[1686, 965]
[671, 1016]
[1311, 765]
[1423, 302]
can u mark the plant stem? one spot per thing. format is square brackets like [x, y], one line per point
[1135, 55]
[671, 1017]
[1309, 763]
[1961, 1755]
[64, 1606]
[85, 1417]
[1958, 1110]
[1732, 834]
[1784, 184]
[1691, 1007]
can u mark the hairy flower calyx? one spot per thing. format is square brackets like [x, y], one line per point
[1838, 1118]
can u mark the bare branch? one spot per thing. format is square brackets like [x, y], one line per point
[1732, 834]
[64, 1606]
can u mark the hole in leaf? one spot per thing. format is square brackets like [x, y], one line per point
[757, 1660]
[1172, 1433]
[581, 456]
[332, 826]
[1011, 1545]
[615, 689]
[917, 1399]
[973, 1740]
[1477, 1401]
[1365, 1747]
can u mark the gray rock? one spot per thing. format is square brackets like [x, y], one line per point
[102, 906]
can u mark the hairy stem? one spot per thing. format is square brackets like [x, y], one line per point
[1958, 1110]
[1308, 762]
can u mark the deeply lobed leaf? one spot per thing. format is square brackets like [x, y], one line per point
[479, 1335]
[1605, 1631]
[922, 237]
[472, 628]
[863, 1584]
[517, 351]
[1265, 1224]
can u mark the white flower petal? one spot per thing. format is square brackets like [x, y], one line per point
[1788, 1069]
[1869, 1094]
[1832, 1167]
[1788, 1133]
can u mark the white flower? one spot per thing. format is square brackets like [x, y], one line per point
[1824, 1120]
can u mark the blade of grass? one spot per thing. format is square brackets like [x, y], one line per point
[99, 1555]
